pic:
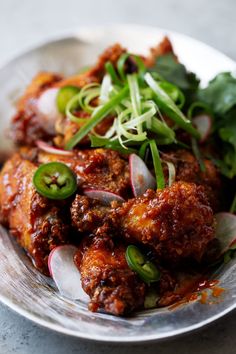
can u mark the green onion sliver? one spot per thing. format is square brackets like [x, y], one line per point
[97, 117]
[167, 105]
[71, 105]
[105, 89]
[121, 65]
[233, 205]
[139, 120]
[198, 106]
[143, 150]
[162, 129]
[157, 165]
[198, 155]
[87, 94]
[111, 71]
[122, 129]
[171, 171]
[174, 92]
[134, 94]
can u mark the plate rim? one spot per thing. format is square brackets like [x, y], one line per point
[75, 33]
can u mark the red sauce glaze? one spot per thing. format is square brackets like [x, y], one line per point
[191, 292]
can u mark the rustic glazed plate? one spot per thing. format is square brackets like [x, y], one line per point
[33, 295]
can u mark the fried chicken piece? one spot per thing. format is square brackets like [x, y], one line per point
[163, 48]
[38, 224]
[188, 170]
[97, 169]
[96, 73]
[177, 222]
[88, 214]
[27, 125]
[107, 278]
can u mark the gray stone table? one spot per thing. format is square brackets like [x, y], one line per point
[26, 22]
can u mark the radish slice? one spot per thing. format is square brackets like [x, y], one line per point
[46, 103]
[203, 124]
[141, 177]
[51, 149]
[65, 273]
[226, 230]
[47, 108]
[104, 196]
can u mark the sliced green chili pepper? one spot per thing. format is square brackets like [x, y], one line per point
[64, 95]
[55, 180]
[147, 270]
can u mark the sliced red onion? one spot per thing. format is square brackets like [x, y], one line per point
[203, 123]
[52, 150]
[141, 177]
[104, 196]
[65, 273]
[225, 230]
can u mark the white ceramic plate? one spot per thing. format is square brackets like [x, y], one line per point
[27, 291]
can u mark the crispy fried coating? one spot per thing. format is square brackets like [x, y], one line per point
[188, 170]
[107, 278]
[176, 222]
[38, 224]
[97, 169]
[27, 125]
[162, 48]
[88, 214]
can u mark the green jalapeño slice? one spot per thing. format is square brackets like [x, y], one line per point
[65, 94]
[147, 270]
[55, 180]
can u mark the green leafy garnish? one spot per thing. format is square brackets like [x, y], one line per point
[174, 72]
[220, 96]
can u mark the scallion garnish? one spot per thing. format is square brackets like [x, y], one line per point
[198, 155]
[105, 89]
[233, 205]
[174, 92]
[141, 69]
[134, 94]
[97, 117]
[143, 149]
[111, 71]
[168, 106]
[171, 171]
[137, 109]
[157, 165]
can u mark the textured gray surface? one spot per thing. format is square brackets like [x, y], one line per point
[25, 22]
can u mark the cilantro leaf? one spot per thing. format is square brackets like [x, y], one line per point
[220, 95]
[172, 71]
